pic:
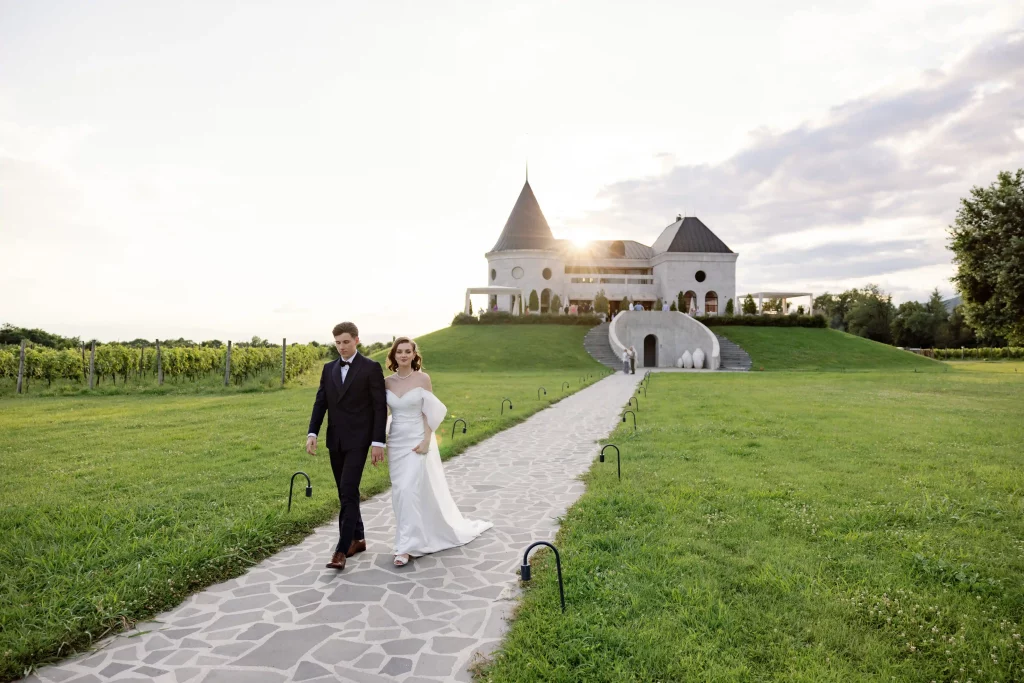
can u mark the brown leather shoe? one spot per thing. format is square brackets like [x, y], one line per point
[337, 561]
[357, 546]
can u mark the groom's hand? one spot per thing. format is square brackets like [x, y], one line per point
[311, 445]
[376, 455]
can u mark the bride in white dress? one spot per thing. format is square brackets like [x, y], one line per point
[426, 518]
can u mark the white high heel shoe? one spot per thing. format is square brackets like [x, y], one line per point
[402, 560]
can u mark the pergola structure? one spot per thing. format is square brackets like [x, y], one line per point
[514, 292]
[785, 296]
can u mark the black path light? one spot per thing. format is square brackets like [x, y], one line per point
[634, 398]
[618, 457]
[644, 387]
[455, 424]
[583, 380]
[565, 385]
[503, 405]
[524, 571]
[309, 488]
[630, 412]
[540, 390]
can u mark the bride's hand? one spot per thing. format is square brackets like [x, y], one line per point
[423, 448]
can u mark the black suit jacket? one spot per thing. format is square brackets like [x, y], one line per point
[357, 411]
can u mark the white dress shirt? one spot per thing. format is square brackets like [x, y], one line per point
[344, 376]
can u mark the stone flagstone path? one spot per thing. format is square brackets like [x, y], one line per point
[291, 619]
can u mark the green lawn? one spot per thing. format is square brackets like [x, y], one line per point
[799, 348]
[113, 508]
[795, 527]
[491, 348]
[1015, 367]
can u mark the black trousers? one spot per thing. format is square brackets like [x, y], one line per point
[347, 465]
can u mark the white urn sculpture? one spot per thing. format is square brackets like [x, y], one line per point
[687, 360]
[679, 362]
[698, 358]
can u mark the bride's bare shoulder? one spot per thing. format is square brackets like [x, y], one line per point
[425, 379]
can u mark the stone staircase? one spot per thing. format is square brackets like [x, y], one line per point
[734, 358]
[596, 344]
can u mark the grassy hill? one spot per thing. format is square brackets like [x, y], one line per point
[467, 348]
[797, 348]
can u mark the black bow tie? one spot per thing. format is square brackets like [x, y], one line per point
[343, 363]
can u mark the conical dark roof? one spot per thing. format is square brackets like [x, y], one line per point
[689, 234]
[526, 227]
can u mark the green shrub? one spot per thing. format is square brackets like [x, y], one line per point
[624, 304]
[673, 307]
[601, 302]
[728, 307]
[792, 320]
[749, 307]
[534, 301]
[505, 318]
[556, 304]
[984, 353]
[463, 319]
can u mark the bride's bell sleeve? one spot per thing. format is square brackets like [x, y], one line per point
[434, 410]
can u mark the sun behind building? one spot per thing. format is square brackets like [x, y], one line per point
[687, 257]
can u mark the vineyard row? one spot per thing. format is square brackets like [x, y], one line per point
[116, 361]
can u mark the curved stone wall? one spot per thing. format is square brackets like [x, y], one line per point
[675, 333]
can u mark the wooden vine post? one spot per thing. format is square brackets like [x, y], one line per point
[159, 366]
[227, 365]
[92, 365]
[21, 367]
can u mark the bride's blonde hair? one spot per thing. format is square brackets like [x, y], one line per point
[417, 359]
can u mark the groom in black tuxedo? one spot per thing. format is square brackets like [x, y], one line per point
[351, 393]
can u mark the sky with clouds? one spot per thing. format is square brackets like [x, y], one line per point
[225, 170]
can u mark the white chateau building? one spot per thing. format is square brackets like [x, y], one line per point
[687, 257]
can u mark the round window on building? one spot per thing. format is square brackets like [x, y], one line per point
[546, 273]
[700, 276]
[494, 275]
[517, 273]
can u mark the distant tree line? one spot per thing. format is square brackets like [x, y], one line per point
[870, 313]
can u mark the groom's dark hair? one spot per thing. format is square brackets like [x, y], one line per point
[342, 328]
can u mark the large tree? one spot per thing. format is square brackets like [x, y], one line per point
[835, 307]
[987, 241]
[920, 325]
[871, 315]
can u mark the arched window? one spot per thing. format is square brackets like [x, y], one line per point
[617, 249]
[711, 304]
[545, 300]
[690, 300]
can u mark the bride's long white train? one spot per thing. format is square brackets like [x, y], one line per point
[427, 519]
